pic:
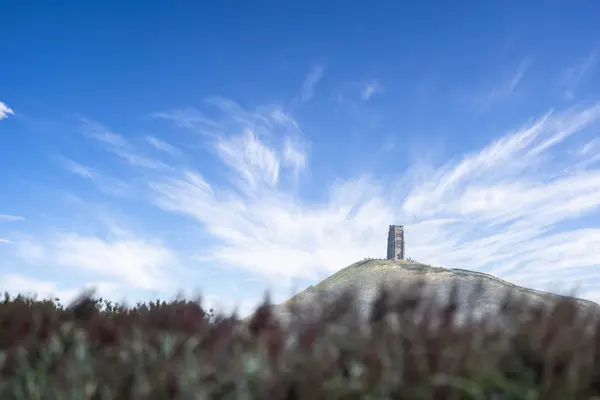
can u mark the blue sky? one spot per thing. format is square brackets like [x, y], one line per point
[246, 146]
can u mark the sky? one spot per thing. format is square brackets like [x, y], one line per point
[237, 148]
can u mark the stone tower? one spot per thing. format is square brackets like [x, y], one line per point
[395, 247]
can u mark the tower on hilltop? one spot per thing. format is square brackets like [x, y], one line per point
[395, 247]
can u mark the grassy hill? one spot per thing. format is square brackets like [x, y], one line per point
[367, 276]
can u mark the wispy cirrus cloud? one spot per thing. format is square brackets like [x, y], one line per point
[78, 169]
[163, 146]
[188, 118]
[236, 195]
[353, 92]
[502, 91]
[496, 209]
[5, 111]
[119, 146]
[294, 155]
[352, 99]
[8, 217]
[308, 86]
[106, 184]
[504, 209]
[576, 73]
[371, 88]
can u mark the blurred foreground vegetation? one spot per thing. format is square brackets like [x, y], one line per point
[407, 348]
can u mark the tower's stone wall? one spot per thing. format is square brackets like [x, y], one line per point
[395, 247]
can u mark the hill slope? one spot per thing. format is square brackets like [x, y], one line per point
[367, 276]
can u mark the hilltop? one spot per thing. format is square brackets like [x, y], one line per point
[368, 275]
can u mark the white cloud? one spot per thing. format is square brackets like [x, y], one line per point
[274, 236]
[590, 148]
[500, 209]
[261, 226]
[7, 217]
[352, 99]
[509, 160]
[134, 262]
[575, 74]
[588, 154]
[163, 146]
[308, 86]
[120, 258]
[255, 164]
[189, 118]
[293, 156]
[106, 184]
[497, 209]
[370, 89]
[119, 146]
[506, 89]
[5, 111]
[78, 169]
[30, 251]
[97, 131]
